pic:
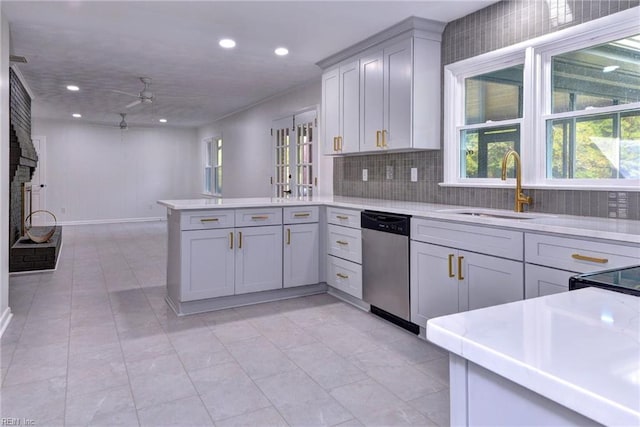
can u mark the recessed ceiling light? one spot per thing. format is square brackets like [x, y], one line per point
[77, 115]
[282, 51]
[73, 88]
[227, 43]
[610, 68]
[163, 120]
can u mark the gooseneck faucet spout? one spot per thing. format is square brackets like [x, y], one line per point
[521, 198]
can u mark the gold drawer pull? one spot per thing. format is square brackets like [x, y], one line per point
[231, 240]
[301, 215]
[460, 276]
[209, 219]
[589, 258]
[342, 217]
[384, 138]
[451, 265]
[378, 132]
[240, 240]
[288, 236]
[342, 242]
[342, 276]
[260, 217]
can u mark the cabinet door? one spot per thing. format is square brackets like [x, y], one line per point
[330, 109]
[258, 259]
[301, 255]
[371, 102]
[490, 281]
[540, 281]
[433, 292]
[397, 95]
[207, 264]
[349, 108]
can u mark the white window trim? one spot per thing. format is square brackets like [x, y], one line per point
[536, 55]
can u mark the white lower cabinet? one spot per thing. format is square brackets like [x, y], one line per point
[446, 280]
[345, 276]
[258, 259]
[301, 254]
[207, 264]
[230, 261]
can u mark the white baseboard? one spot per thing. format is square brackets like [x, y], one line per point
[110, 221]
[5, 319]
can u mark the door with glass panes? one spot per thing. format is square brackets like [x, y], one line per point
[294, 141]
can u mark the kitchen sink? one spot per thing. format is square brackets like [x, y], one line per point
[487, 213]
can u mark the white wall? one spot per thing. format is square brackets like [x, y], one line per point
[5, 311]
[100, 173]
[246, 152]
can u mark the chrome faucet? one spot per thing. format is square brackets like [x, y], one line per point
[521, 199]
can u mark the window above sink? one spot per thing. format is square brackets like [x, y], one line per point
[567, 102]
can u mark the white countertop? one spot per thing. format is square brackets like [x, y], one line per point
[580, 349]
[627, 231]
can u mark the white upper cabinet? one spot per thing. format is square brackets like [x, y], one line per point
[341, 108]
[398, 90]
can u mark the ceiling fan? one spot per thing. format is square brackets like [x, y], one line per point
[145, 96]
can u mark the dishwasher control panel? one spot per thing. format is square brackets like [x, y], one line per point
[385, 222]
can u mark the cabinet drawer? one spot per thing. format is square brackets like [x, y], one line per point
[300, 214]
[581, 256]
[345, 275]
[345, 217]
[258, 216]
[344, 242]
[485, 240]
[204, 220]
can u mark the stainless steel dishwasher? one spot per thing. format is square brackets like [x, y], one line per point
[385, 266]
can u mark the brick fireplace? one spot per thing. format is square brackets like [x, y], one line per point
[23, 160]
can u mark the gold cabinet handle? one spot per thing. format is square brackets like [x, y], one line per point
[460, 276]
[589, 258]
[301, 215]
[342, 217]
[239, 239]
[342, 242]
[340, 143]
[260, 217]
[231, 240]
[451, 265]
[342, 276]
[384, 138]
[378, 133]
[288, 236]
[209, 219]
[335, 143]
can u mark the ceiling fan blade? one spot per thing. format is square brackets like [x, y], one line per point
[133, 104]
[125, 93]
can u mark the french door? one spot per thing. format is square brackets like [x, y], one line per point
[295, 148]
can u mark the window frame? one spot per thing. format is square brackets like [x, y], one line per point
[536, 55]
[211, 166]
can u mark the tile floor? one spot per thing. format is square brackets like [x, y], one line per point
[94, 343]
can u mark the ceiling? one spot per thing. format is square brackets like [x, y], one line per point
[103, 46]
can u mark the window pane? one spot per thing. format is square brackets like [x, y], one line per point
[207, 180]
[219, 180]
[494, 96]
[597, 76]
[596, 147]
[482, 150]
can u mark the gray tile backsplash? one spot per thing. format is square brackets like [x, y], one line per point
[491, 28]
